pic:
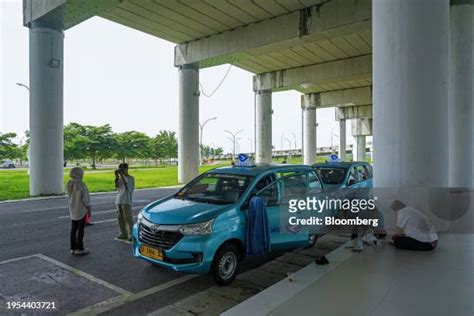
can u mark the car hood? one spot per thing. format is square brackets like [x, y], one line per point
[172, 211]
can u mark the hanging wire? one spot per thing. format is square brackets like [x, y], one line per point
[218, 86]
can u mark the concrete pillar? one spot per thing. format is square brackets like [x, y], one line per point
[461, 114]
[264, 127]
[342, 139]
[188, 127]
[360, 148]
[361, 128]
[46, 109]
[309, 127]
[410, 92]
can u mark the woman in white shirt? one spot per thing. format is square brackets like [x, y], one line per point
[79, 206]
[415, 229]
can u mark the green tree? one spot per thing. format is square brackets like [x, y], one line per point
[163, 146]
[8, 149]
[75, 142]
[131, 144]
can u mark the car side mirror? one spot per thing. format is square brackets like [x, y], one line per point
[351, 182]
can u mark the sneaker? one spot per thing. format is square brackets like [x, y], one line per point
[122, 237]
[129, 239]
[81, 252]
[72, 251]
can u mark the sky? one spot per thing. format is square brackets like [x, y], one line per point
[120, 76]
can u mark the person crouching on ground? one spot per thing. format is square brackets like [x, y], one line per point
[79, 207]
[125, 185]
[415, 231]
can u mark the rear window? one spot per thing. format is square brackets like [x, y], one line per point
[330, 175]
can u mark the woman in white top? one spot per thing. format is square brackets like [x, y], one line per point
[79, 206]
[415, 229]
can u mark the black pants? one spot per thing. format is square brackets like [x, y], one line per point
[404, 242]
[77, 234]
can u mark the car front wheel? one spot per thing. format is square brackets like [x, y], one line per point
[226, 264]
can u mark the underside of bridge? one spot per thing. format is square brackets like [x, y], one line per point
[412, 59]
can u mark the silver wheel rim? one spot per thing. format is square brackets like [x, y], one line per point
[227, 265]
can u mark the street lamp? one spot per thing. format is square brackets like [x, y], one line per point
[23, 85]
[233, 139]
[201, 126]
[332, 135]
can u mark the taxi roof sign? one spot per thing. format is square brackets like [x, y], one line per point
[243, 160]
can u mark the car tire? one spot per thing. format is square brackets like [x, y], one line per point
[225, 265]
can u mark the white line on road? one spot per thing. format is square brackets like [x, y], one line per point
[104, 212]
[84, 274]
[108, 220]
[123, 299]
[16, 259]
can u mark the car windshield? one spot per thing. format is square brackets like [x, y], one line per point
[215, 188]
[331, 175]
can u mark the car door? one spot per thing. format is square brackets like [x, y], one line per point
[268, 189]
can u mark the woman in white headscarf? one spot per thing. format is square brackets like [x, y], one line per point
[79, 206]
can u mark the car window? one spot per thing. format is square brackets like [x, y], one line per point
[270, 194]
[293, 186]
[353, 176]
[314, 185]
[331, 175]
[362, 172]
[215, 188]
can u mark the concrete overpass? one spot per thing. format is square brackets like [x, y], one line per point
[411, 59]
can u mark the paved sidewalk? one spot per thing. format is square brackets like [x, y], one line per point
[217, 299]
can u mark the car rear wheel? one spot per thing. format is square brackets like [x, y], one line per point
[226, 264]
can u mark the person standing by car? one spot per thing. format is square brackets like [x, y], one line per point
[79, 207]
[125, 185]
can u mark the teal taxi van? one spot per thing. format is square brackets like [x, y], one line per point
[201, 228]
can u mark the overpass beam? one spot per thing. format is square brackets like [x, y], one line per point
[188, 125]
[309, 102]
[410, 92]
[461, 104]
[46, 40]
[264, 127]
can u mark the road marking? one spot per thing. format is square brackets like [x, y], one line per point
[16, 259]
[104, 212]
[84, 274]
[65, 207]
[123, 299]
[109, 220]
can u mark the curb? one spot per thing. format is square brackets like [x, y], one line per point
[53, 197]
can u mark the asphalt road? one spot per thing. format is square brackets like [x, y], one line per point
[35, 263]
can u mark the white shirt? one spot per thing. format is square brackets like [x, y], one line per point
[416, 225]
[124, 196]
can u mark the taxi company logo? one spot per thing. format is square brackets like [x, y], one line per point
[243, 157]
[154, 228]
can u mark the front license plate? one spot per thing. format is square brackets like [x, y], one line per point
[153, 253]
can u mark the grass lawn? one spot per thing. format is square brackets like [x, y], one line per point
[14, 184]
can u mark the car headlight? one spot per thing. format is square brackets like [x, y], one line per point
[140, 217]
[204, 228]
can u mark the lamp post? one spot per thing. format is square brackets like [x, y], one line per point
[201, 126]
[234, 140]
[23, 85]
[21, 140]
[332, 137]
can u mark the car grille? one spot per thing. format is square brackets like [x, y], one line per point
[160, 238]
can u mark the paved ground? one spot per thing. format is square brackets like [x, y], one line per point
[35, 265]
